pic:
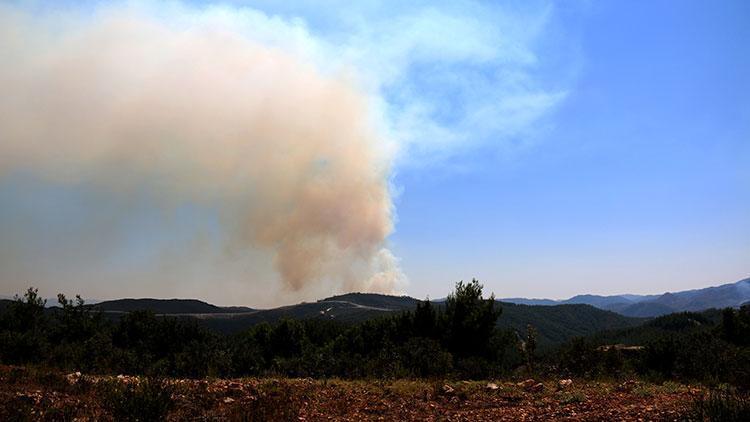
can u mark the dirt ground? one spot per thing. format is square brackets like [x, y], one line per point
[33, 394]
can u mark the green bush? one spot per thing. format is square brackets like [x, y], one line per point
[567, 397]
[425, 358]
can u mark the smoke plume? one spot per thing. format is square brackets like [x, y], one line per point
[287, 153]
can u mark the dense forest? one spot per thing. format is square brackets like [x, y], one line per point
[457, 338]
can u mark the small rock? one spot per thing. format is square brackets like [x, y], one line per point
[491, 386]
[73, 377]
[627, 385]
[526, 384]
[563, 384]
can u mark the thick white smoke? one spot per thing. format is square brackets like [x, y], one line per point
[200, 113]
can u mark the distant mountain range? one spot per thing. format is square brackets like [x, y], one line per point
[724, 296]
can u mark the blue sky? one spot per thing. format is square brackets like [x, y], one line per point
[640, 181]
[547, 149]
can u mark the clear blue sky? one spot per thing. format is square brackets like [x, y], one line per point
[640, 181]
[546, 148]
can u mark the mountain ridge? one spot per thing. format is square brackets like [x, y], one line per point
[730, 295]
[554, 324]
[555, 321]
[166, 306]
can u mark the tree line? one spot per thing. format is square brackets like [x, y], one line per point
[458, 338]
[712, 347]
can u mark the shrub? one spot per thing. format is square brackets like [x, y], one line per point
[65, 412]
[721, 405]
[16, 408]
[275, 401]
[145, 400]
[572, 397]
[425, 358]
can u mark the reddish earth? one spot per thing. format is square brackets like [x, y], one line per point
[42, 395]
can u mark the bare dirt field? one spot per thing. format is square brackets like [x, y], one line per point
[33, 394]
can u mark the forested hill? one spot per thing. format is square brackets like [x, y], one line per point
[559, 323]
[366, 336]
[554, 324]
[166, 306]
[666, 326]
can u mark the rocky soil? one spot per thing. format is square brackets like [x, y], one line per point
[34, 394]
